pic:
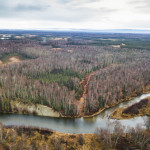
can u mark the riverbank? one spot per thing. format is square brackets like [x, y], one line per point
[73, 125]
[42, 110]
[136, 93]
[36, 138]
[36, 109]
[141, 108]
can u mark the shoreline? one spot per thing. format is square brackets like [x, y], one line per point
[41, 110]
[144, 90]
[32, 109]
[143, 111]
[48, 139]
[121, 116]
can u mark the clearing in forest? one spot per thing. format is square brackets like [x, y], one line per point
[14, 59]
[116, 46]
[84, 84]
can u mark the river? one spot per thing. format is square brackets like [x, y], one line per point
[74, 125]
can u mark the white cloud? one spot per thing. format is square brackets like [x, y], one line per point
[90, 14]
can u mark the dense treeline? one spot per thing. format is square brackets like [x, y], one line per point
[50, 72]
[116, 82]
[28, 91]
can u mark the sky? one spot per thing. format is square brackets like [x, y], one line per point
[75, 14]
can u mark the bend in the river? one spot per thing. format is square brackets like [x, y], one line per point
[74, 125]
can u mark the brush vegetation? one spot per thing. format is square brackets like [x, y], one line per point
[32, 138]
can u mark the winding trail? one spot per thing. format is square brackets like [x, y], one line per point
[85, 81]
[84, 84]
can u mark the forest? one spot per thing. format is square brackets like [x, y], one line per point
[76, 74]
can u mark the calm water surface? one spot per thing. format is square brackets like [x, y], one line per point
[76, 125]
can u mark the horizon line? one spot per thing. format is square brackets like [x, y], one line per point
[136, 31]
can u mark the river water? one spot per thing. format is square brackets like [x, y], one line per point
[74, 125]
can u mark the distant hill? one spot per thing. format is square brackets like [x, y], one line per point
[133, 31]
[115, 31]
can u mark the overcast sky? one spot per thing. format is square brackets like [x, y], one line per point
[77, 14]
